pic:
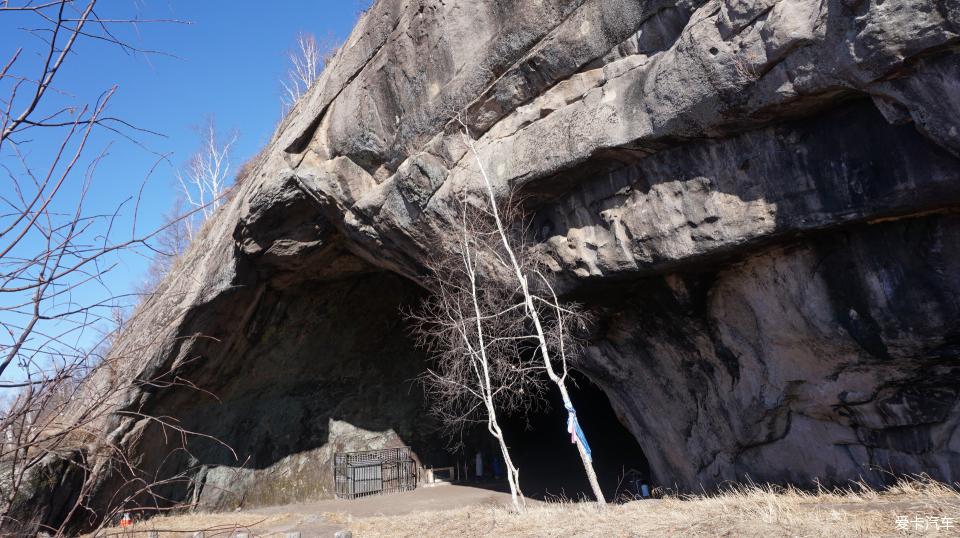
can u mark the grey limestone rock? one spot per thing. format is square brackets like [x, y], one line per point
[757, 198]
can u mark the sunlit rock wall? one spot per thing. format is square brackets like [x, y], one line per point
[756, 197]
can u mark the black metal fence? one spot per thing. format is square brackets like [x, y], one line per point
[359, 474]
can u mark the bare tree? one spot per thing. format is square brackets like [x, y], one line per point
[554, 344]
[58, 313]
[168, 248]
[307, 61]
[58, 424]
[471, 326]
[206, 176]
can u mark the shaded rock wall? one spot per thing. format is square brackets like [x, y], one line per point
[323, 367]
[757, 197]
[831, 359]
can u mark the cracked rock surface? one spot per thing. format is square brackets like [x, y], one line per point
[758, 199]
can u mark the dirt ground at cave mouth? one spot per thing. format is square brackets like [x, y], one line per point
[914, 507]
[324, 517]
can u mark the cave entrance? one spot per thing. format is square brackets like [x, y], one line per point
[550, 466]
[328, 367]
[317, 368]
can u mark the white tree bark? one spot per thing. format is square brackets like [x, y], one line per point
[534, 315]
[469, 323]
[488, 390]
[306, 64]
[207, 176]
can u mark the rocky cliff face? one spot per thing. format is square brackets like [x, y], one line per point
[758, 199]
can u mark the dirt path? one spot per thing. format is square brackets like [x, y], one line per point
[914, 507]
[324, 518]
[418, 500]
[321, 518]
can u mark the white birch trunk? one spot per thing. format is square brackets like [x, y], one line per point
[480, 354]
[559, 381]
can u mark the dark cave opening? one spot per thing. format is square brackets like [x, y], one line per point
[330, 367]
[549, 464]
[316, 368]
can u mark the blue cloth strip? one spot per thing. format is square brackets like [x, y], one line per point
[583, 441]
[572, 421]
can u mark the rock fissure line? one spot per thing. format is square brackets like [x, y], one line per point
[721, 215]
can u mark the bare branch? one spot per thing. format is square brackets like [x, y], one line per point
[307, 61]
[60, 378]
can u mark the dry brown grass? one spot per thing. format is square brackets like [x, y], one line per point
[752, 511]
[747, 511]
[212, 525]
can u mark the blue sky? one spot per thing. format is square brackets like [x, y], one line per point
[227, 63]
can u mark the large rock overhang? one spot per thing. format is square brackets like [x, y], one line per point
[757, 199]
[680, 158]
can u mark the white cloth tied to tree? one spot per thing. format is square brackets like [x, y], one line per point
[573, 428]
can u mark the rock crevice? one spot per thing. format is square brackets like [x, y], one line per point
[757, 198]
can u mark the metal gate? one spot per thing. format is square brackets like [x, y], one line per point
[359, 474]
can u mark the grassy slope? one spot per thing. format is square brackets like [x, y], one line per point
[747, 511]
